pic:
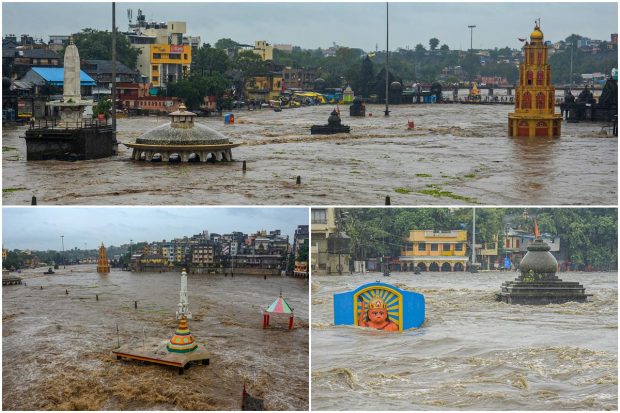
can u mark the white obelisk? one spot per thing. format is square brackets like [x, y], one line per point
[183, 311]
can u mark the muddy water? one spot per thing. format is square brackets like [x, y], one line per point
[472, 353]
[457, 154]
[56, 347]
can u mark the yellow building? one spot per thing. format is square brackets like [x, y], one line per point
[263, 49]
[435, 251]
[169, 63]
[163, 58]
[265, 88]
[4, 253]
[534, 113]
[329, 250]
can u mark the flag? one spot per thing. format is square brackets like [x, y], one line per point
[536, 231]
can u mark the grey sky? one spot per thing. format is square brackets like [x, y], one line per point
[312, 25]
[40, 228]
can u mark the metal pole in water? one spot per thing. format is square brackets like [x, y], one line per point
[118, 337]
[114, 69]
[387, 54]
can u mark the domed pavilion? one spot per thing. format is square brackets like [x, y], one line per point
[182, 139]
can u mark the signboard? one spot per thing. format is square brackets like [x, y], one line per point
[176, 49]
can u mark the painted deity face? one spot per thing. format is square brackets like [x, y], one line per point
[377, 315]
[377, 311]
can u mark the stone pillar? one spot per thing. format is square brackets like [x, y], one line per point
[165, 156]
[149, 156]
[184, 156]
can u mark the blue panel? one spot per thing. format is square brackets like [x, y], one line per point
[413, 306]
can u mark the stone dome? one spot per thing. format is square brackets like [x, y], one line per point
[182, 131]
[396, 86]
[538, 259]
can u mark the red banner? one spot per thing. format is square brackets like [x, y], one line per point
[176, 49]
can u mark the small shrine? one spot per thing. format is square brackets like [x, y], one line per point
[538, 283]
[380, 306]
[279, 308]
[534, 114]
[182, 341]
[103, 265]
[334, 125]
[180, 351]
[183, 140]
[358, 108]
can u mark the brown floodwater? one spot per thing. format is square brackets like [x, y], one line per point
[56, 348]
[457, 154]
[472, 352]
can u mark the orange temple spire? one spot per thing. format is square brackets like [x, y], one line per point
[534, 114]
[103, 265]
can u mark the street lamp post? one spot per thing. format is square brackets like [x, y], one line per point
[571, 66]
[471, 37]
[62, 239]
[387, 56]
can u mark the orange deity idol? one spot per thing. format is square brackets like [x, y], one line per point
[376, 316]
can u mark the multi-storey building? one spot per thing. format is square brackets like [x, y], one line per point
[329, 251]
[165, 58]
[203, 255]
[263, 49]
[431, 250]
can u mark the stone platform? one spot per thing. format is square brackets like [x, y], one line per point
[156, 352]
[86, 141]
[546, 292]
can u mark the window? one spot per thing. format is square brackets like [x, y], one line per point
[434, 247]
[155, 68]
[517, 243]
[155, 78]
[422, 246]
[446, 247]
[319, 216]
[185, 56]
[458, 247]
[156, 55]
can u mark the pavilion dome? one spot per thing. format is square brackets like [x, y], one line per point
[183, 131]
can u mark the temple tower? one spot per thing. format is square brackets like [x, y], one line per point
[103, 265]
[534, 114]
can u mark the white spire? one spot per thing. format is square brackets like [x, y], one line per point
[183, 310]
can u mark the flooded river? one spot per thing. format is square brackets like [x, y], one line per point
[457, 154]
[472, 353]
[56, 347]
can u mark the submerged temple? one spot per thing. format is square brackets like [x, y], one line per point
[538, 283]
[182, 139]
[534, 113]
[103, 265]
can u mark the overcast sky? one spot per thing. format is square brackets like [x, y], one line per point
[40, 228]
[312, 25]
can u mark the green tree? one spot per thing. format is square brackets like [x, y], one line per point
[103, 106]
[433, 43]
[97, 44]
[208, 60]
[444, 48]
[226, 43]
